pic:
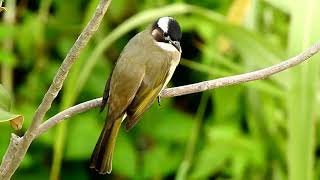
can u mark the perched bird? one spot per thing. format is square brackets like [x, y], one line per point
[143, 69]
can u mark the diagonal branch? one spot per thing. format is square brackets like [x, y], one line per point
[79, 108]
[17, 150]
[69, 60]
[192, 88]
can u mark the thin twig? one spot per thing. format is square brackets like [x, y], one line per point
[19, 149]
[192, 88]
[79, 108]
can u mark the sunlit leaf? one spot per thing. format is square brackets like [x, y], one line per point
[302, 104]
[15, 120]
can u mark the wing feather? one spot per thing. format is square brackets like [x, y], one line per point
[125, 81]
[145, 96]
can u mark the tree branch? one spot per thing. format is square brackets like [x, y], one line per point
[192, 88]
[242, 78]
[79, 108]
[16, 151]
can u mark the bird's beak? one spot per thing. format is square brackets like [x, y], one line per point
[176, 44]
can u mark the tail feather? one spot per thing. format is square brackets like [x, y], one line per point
[101, 158]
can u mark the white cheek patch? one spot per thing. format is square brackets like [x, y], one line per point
[163, 23]
[166, 46]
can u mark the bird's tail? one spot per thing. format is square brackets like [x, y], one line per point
[101, 158]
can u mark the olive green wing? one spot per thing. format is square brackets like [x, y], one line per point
[125, 81]
[123, 88]
[145, 96]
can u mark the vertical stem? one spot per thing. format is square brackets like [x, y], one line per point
[304, 30]
[6, 69]
[58, 151]
[70, 94]
[188, 157]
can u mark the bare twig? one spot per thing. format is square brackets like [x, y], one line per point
[192, 88]
[13, 157]
[68, 113]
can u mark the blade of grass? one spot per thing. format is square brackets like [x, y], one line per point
[304, 30]
[6, 69]
[188, 157]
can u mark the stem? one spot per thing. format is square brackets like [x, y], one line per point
[58, 150]
[6, 69]
[188, 158]
[302, 95]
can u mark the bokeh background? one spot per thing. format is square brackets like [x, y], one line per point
[259, 130]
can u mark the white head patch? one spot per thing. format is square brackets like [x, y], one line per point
[163, 23]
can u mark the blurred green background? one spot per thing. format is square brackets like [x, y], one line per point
[259, 130]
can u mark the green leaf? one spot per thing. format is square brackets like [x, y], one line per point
[303, 104]
[15, 120]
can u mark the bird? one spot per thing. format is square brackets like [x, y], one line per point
[143, 69]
